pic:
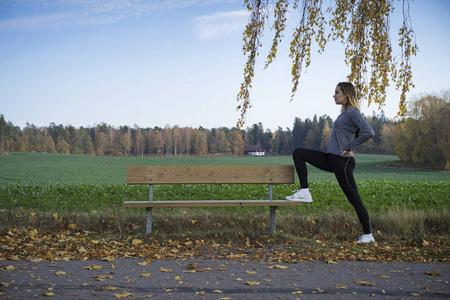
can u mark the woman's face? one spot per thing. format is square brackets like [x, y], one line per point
[339, 96]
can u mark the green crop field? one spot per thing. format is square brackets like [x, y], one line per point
[49, 182]
[41, 168]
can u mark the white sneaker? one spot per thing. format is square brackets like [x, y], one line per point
[366, 238]
[302, 195]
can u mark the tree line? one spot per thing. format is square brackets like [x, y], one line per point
[421, 137]
[104, 139]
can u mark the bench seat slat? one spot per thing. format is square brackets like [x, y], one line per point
[210, 203]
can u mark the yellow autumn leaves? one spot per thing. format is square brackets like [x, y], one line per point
[73, 244]
[30, 244]
[363, 26]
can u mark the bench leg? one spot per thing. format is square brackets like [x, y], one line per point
[273, 213]
[148, 225]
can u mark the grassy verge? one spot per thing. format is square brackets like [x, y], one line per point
[195, 223]
[411, 210]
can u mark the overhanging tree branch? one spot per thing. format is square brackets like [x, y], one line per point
[362, 25]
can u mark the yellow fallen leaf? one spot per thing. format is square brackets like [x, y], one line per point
[73, 226]
[10, 268]
[136, 242]
[144, 263]
[252, 283]
[217, 291]
[329, 261]
[432, 274]
[281, 267]
[95, 242]
[165, 270]
[36, 259]
[93, 267]
[192, 266]
[189, 271]
[250, 272]
[365, 282]
[110, 288]
[146, 275]
[342, 287]
[415, 294]
[297, 292]
[124, 295]
[60, 273]
[101, 277]
[208, 269]
[49, 294]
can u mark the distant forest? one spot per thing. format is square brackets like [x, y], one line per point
[104, 139]
[420, 138]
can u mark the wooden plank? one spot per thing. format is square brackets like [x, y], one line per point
[211, 174]
[211, 203]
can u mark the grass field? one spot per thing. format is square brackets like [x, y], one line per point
[71, 182]
[51, 191]
[41, 168]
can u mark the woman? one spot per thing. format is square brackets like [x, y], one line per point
[349, 130]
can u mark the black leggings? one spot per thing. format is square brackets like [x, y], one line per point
[342, 167]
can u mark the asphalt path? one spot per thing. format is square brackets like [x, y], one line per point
[205, 278]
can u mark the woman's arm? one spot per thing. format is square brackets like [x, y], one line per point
[366, 130]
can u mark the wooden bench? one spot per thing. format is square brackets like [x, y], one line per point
[152, 175]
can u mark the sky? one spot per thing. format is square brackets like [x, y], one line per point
[178, 62]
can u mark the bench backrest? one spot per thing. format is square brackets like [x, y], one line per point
[210, 174]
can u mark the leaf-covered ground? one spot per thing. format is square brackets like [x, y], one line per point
[72, 244]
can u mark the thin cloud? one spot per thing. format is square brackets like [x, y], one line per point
[21, 15]
[221, 24]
